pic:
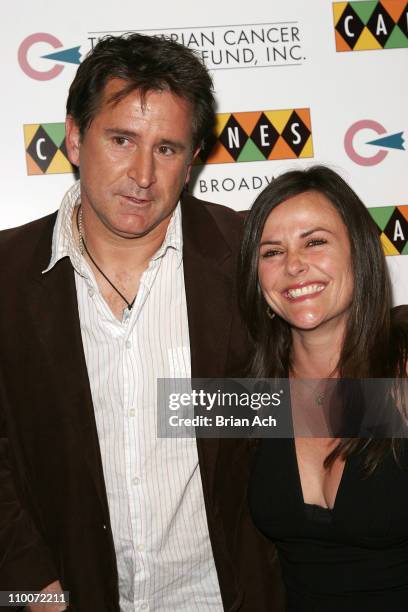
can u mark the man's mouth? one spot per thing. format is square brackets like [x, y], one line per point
[294, 293]
[136, 200]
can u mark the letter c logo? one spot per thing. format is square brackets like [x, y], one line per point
[362, 160]
[40, 141]
[39, 75]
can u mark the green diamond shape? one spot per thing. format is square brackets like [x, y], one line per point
[364, 9]
[397, 40]
[56, 131]
[381, 215]
[250, 152]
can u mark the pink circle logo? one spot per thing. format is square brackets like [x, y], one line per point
[363, 160]
[38, 75]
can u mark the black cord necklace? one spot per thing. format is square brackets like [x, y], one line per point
[83, 247]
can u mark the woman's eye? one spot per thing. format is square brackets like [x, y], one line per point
[316, 242]
[271, 253]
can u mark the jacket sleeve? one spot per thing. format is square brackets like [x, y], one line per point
[25, 560]
[257, 559]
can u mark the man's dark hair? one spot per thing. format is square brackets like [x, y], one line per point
[144, 63]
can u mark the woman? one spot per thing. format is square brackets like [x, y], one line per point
[317, 300]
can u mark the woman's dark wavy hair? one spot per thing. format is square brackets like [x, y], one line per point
[144, 63]
[373, 345]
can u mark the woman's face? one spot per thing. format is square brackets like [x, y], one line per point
[304, 269]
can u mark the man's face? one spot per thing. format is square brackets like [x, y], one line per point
[134, 160]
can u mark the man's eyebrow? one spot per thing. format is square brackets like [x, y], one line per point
[175, 144]
[121, 131]
[302, 235]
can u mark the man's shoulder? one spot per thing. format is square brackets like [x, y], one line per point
[229, 221]
[29, 231]
[19, 244]
[218, 210]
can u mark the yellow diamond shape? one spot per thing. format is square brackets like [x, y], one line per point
[59, 164]
[338, 9]
[307, 150]
[367, 42]
[279, 118]
[388, 247]
[221, 121]
[29, 131]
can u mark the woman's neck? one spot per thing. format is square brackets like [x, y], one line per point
[316, 353]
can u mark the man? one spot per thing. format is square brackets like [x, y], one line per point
[126, 284]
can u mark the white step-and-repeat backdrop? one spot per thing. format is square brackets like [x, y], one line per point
[297, 83]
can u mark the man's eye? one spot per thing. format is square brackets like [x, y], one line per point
[165, 150]
[120, 140]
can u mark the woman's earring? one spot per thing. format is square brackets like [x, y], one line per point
[270, 312]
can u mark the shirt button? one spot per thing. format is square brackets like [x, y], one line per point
[128, 344]
[140, 548]
[136, 481]
[131, 413]
[144, 606]
[91, 292]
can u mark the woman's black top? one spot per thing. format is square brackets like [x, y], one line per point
[353, 558]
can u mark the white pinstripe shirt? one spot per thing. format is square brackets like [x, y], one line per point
[153, 485]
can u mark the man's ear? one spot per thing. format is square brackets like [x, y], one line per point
[72, 140]
[196, 152]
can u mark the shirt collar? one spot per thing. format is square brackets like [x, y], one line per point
[64, 245]
[173, 238]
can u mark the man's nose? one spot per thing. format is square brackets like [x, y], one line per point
[142, 168]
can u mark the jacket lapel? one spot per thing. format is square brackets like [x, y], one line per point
[53, 309]
[209, 271]
[208, 274]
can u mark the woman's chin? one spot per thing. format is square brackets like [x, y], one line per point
[306, 321]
